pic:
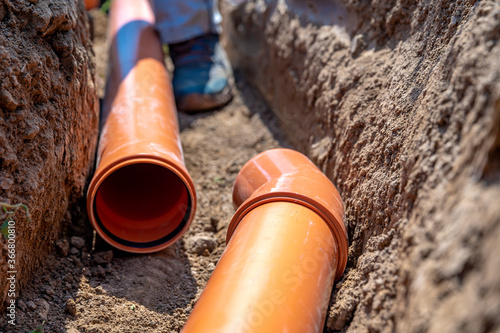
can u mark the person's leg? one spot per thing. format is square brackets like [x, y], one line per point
[181, 20]
[191, 29]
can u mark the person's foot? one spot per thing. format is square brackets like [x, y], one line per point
[201, 74]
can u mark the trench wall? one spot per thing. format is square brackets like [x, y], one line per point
[48, 124]
[398, 102]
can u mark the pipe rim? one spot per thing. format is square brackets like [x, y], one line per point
[169, 239]
[339, 233]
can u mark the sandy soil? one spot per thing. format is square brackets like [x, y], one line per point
[399, 102]
[86, 286]
[48, 124]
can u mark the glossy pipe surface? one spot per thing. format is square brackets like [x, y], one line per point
[141, 198]
[287, 175]
[275, 275]
[283, 253]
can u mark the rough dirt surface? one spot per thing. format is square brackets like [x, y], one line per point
[87, 286]
[399, 103]
[48, 124]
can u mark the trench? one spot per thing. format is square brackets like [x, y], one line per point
[96, 288]
[399, 120]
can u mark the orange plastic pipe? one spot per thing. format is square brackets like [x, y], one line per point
[286, 245]
[89, 4]
[141, 198]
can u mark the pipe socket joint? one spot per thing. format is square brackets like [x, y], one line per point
[285, 175]
[286, 245]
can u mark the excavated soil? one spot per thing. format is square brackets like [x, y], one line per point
[48, 128]
[86, 286]
[398, 101]
[399, 104]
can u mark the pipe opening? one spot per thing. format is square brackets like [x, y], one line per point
[142, 205]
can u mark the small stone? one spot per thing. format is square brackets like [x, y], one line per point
[31, 305]
[99, 290]
[74, 250]
[104, 257]
[201, 244]
[214, 222]
[71, 306]
[7, 101]
[99, 272]
[6, 183]
[49, 291]
[44, 308]
[358, 45]
[21, 305]
[63, 247]
[77, 242]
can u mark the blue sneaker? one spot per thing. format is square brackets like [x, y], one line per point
[201, 74]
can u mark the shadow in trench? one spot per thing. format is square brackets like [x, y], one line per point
[255, 102]
[161, 281]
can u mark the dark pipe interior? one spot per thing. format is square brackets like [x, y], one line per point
[141, 203]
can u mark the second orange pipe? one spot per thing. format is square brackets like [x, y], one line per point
[287, 243]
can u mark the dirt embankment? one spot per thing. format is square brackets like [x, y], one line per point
[399, 104]
[48, 124]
